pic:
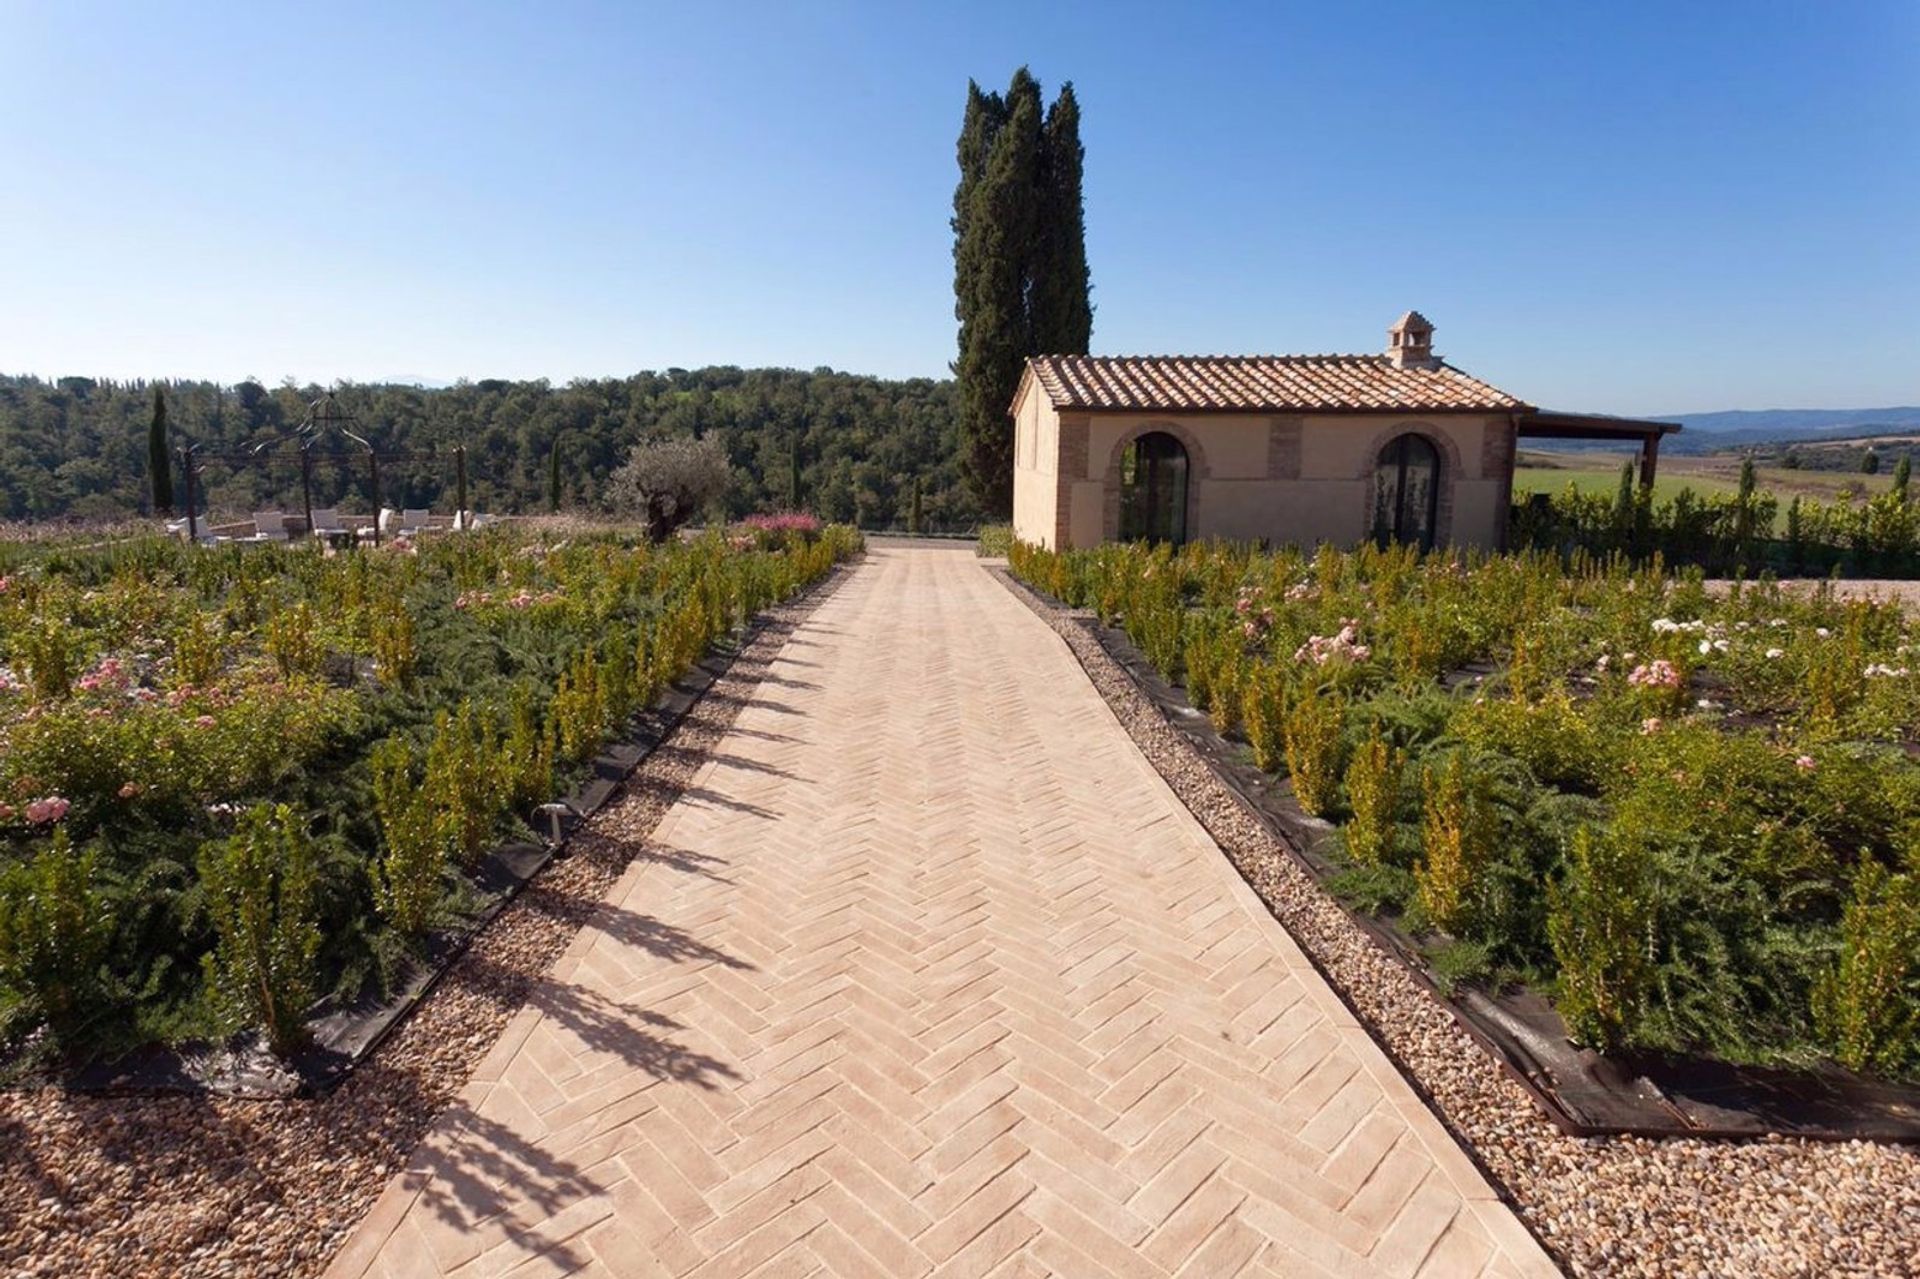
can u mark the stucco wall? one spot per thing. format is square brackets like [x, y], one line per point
[1036, 451]
[1282, 479]
[1236, 445]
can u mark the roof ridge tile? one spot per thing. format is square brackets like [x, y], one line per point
[1261, 383]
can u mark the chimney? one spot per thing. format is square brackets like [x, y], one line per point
[1410, 343]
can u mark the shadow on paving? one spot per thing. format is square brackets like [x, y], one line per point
[683, 860]
[714, 799]
[487, 1169]
[760, 734]
[661, 939]
[635, 1036]
[753, 766]
[808, 685]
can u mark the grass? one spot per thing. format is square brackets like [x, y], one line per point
[1599, 472]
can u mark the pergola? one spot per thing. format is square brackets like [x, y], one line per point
[1544, 424]
[325, 417]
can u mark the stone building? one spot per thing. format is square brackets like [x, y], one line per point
[1299, 449]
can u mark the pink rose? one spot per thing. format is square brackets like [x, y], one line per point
[46, 810]
[1805, 764]
[6, 812]
[203, 721]
[129, 789]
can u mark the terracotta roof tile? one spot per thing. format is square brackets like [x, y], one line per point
[1259, 384]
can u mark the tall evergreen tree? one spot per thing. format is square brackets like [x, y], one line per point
[1058, 298]
[159, 466]
[793, 473]
[553, 474]
[1020, 264]
[1000, 235]
[985, 113]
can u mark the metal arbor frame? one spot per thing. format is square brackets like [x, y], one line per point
[324, 416]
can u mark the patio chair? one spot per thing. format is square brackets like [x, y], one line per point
[328, 527]
[413, 522]
[269, 526]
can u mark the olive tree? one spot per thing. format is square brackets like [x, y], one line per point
[666, 483]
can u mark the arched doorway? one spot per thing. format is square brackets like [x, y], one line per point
[1406, 492]
[1153, 489]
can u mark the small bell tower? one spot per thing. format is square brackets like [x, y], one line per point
[1410, 343]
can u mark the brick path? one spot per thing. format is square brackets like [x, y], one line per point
[931, 973]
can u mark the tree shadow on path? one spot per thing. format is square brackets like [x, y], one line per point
[661, 939]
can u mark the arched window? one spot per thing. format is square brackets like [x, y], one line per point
[1153, 489]
[1406, 492]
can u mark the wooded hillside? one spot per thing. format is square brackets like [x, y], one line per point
[79, 447]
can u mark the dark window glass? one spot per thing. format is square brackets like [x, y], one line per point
[1406, 492]
[1153, 489]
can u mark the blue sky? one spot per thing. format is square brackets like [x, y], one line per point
[1611, 207]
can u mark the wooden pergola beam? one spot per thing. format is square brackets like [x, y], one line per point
[1644, 434]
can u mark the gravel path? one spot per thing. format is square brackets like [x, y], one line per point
[198, 1186]
[1905, 593]
[1605, 1206]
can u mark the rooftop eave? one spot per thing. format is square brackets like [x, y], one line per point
[1547, 424]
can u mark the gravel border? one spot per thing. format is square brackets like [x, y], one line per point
[191, 1186]
[1601, 1205]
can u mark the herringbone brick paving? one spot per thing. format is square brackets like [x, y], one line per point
[929, 973]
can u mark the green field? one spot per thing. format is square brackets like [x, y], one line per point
[1599, 472]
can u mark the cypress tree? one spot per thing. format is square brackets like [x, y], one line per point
[913, 508]
[793, 473]
[1743, 510]
[553, 474]
[158, 465]
[1020, 263]
[1902, 475]
[996, 337]
[1623, 506]
[1062, 311]
[985, 113]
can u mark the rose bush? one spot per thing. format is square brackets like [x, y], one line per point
[396, 713]
[1751, 755]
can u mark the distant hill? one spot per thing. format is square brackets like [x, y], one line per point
[1732, 427]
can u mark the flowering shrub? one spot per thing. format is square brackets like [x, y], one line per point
[1739, 760]
[1342, 646]
[780, 530]
[156, 699]
[1659, 673]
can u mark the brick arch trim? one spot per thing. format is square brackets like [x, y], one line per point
[1450, 463]
[1197, 473]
